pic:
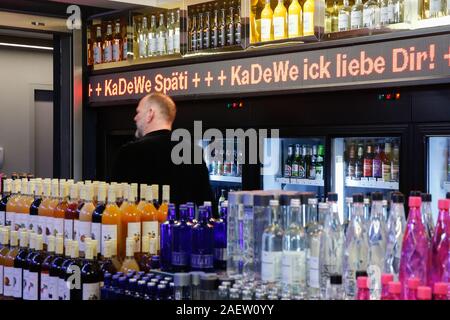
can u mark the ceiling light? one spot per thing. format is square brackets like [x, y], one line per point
[16, 45]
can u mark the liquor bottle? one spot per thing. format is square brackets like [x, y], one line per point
[335, 16]
[439, 255]
[267, 33]
[31, 217]
[415, 247]
[176, 36]
[222, 29]
[427, 216]
[166, 240]
[42, 209]
[288, 163]
[309, 174]
[129, 263]
[220, 238]
[312, 168]
[200, 29]
[115, 259]
[36, 191]
[371, 14]
[296, 161]
[384, 12]
[164, 207]
[161, 36]
[181, 242]
[23, 209]
[12, 218]
[51, 219]
[60, 210]
[395, 228]
[91, 275]
[143, 38]
[319, 162]
[48, 286]
[19, 263]
[73, 290]
[98, 47]
[434, 9]
[395, 11]
[377, 163]
[59, 268]
[237, 24]
[85, 218]
[221, 199]
[110, 220]
[10, 204]
[314, 232]
[130, 220]
[385, 279]
[207, 31]
[171, 33]
[295, 20]
[33, 280]
[386, 163]
[96, 226]
[10, 280]
[356, 18]
[26, 265]
[89, 47]
[279, 21]
[368, 162]
[363, 292]
[202, 253]
[4, 249]
[55, 268]
[117, 47]
[149, 217]
[293, 260]
[70, 214]
[107, 265]
[193, 34]
[308, 17]
[395, 164]
[355, 247]
[230, 25]
[351, 167]
[215, 29]
[344, 17]
[302, 164]
[152, 38]
[331, 245]
[108, 45]
[359, 163]
[272, 247]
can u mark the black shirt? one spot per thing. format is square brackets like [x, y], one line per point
[148, 160]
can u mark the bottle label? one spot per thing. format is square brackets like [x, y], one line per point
[68, 229]
[134, 230]
[278, 28]
[9, 281]
[84, 231]
[368, 168]
[374, 273]
[116, 52]
[313, 274]
[343, 22]
[294, 172]
[176, 40]
[351, 170]
[266, 25]
[206, 40]
[384, 15]
[271, 266]
[96, 234]
[223, 36]
[2, 218]
[220, 254]
[18, 221]
[17, 290]
[287, 170]
[170, 39]
[107, 53]
[301, 172]
[109, 232]
[162, 43]
[180, 259]
[350, 282]
[33, 288]
[25, 285]
[200, 39]
[142, 48]
[386, 168]
[293, 27]
[40, 225]
[150, 228]
[356, 20]
[48, 287]
[91, 291]
[230, 35]
[395, 169]
[97, 55]
[214, 38]
[237, 34]
[125, 49]
[293, 267]
[369, 18]
[435, 6]
[376, 168]
[308, 23]
[48, 228]
[153, 45]
[319, 172]
[58, 226]
[202, 261]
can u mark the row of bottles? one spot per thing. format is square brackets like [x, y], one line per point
[215, 25]
[228, 163]
[305, 163]
[107, 43]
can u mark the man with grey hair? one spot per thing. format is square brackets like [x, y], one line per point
[148, 158]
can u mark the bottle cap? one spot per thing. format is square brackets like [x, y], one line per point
[332, 196]
[386, 278]
[335, 279]
[424, 293]
[443, 204]
[360, 273]
[426, 197]
[358, 198]
[395, 287]
[398, 197]
[377, 196]
[274, 202]
[349, 199]
[413, 283]
[441, 288]
[182, 279]
[447, 195]
[415, 193]
[362, 282]
[415, 202]
[295, 202]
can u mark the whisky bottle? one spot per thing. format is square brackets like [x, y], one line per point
[107, 45]
[237, 25]
[215, 29]
[295, 24]
[161, 36]
[344, 17]
[152, 46]
[222, 29]
[176, 36]
[90, 50]
[334, 17]
[98, 51]
[171, 34]
[200, 31]
[143, 39]
[207, 31]
[117, 49]
[193, 34]
[230, 25]
[357, 15]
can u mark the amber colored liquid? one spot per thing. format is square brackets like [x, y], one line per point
[72, 211]
[42, 212]
[129, 214]
[60, 213]
[148, 211]
[112, 216]
[162, 212]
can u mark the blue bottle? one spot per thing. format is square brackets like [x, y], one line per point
[202, 254]
[220, 239]
[166, 240]
[181, 242]
[131, 289]
[151, 291]
[191, 213]
[119, 291]
[107, 282]
[114, 287]
[140, 293]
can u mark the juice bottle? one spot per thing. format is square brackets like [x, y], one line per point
[295, 20]
[37, 191]
[48, 285]
[33, 279]
[308, 17]
[149, 218]
[279, 21]
[11, 205]
[4, 200]
[85, 219]
[125, 187]
[266, 23]
[91, 275]
[22, 208]
[20, 261]
[107, 264]
[42, 210]
[111, 221]
[96, 227]
[130, 263]
[74, 266]
[10, 283]
[49, 210]
[164, 208]
[71, 213]
[4, 238]
[116, 260]
[131, 219]
[60, 210]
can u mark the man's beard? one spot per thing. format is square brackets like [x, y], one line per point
[138, 134]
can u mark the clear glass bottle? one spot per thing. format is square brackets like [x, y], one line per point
[237, 24]
[200, 29]
[344, 17]
[230, 24]
[182, 283]
[108, 44]
[207, 31]
[215, 29]
[161, 36]
[314, 233]
[234, 254]
[176, 36]
[371, 14]
[356, 17]
[143, 39]
[193, 34]
[335, 291]
[395, 15]
[171, 34]
[384, 12]
[427, 215]
[152, 39]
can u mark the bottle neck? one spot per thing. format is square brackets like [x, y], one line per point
[377, 210]
[358, 211]
[313, 213]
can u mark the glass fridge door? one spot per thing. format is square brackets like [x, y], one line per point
[438, 171]
[364, 165]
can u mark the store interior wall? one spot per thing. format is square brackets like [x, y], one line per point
[22, 72]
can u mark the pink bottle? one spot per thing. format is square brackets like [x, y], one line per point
[413, 261]
[413, 284]
[395, 290]
[424, 293]
[363, 288]
[439, 257]
[385, 279]
[440, 291]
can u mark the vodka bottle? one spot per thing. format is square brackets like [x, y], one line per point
[377, 245]
[355, 247]
[161, 36]
[371, 14]
[331, 245]
[344, 17]
[395, 228]
[427, 215]
[152, 45]
[314, 233]
[143, 39]
[356, 16]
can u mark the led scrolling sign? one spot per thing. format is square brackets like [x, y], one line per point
[409, 60]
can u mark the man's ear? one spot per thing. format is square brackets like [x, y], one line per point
[150, 115]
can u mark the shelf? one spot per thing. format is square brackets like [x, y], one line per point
[302, 182]
[374, 184]
[225, 178]
[446, 186]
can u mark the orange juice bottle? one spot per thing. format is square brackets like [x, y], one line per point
[164, 208]
[134, 191]
[131, 219]
[129, 262]
[60, 210]
[149, 217]
[42, 218]
[85, 218]
[111, 221]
